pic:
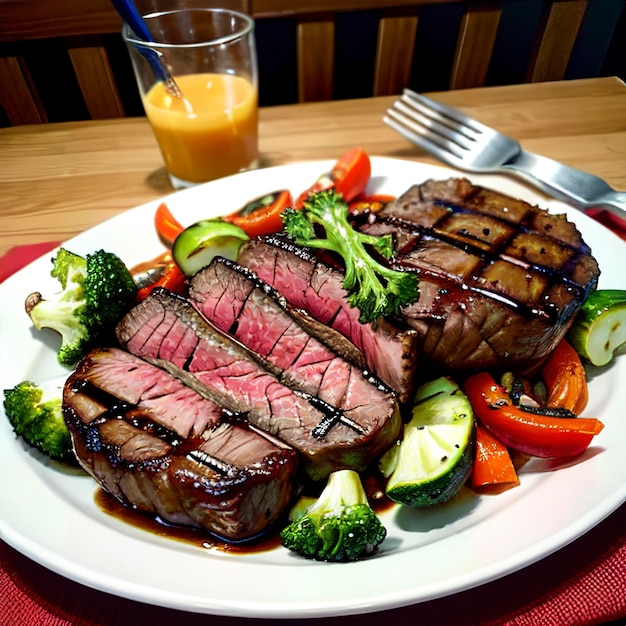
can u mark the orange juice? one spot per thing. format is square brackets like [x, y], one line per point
[208, 133]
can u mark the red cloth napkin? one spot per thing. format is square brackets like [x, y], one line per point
[16, 258]
[611, 221]
[581, 585]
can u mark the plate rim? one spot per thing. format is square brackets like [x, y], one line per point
[315, 608]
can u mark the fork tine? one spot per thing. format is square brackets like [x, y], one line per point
[445, 114]
[419, 116]
[443, 149]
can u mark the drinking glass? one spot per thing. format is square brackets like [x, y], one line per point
[208, 128]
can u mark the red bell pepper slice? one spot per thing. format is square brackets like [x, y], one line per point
[566, 380]
[537, 435]
[262, 215]
[171, 278]
[167, 226]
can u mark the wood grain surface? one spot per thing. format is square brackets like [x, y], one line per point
[57, 180]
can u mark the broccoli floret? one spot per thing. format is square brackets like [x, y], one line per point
[339, 526]
[96, 291]
[375, 289]
[39, 420]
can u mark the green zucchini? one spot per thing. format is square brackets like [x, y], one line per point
[435, 456]
[195, 246]
[600, 326]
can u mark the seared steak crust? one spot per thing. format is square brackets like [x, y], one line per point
[500, 279]
[167, 331]
[160, 447]
[307, 283]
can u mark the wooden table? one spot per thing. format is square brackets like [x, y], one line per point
[57, 180]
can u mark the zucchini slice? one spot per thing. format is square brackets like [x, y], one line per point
[600, 326]
[195, 247]
[434, 458]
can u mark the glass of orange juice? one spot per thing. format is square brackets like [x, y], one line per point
[208, 128]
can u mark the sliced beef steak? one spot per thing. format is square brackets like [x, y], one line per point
[167, 331]
[238, 302]
[500, 279]
[309, 284]
[160, 447]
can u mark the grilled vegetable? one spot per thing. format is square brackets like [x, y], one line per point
[195, 246]
[35, 415]
[167, 226]
[527, 430]
[262, 215]
[600, 326]
[97, 291]
[493, 467]
[565, 379]
[348, 177]
[339, 526]
[434, 457]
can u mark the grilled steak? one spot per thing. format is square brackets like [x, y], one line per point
[500, 279]
[238, 302]
[160, 447]
[167, 331]
[309, 284]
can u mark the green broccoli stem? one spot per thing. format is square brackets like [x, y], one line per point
[97, 291]
[343, 489]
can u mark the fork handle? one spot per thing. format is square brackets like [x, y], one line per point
[580, 187]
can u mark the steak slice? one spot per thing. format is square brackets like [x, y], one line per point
[309, 284]
[168, 331]
[160, 447]
[238, 302]
[500, 280]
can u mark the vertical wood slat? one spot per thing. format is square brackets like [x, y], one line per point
[477, 36]
[96, 81]
[555, 40]
[20, 103]
[316, 52]
[394, 54]
[556, 37]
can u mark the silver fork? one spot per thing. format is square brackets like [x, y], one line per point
[468, 145]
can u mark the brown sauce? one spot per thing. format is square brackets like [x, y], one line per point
[373, 484]
[197, 537]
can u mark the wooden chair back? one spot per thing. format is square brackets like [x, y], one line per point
[81, 28]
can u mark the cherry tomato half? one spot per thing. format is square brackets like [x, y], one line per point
[349, 177]
[351, 173]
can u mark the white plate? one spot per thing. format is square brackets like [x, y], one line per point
[50, 516]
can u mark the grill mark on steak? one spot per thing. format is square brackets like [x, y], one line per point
[423, 235]
[233, 298]
[167, 331]
[309, 284]
[229, 478]
[118, 381]
[239, 302]
[500, 279]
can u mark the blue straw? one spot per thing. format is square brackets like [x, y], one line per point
[129, 13]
